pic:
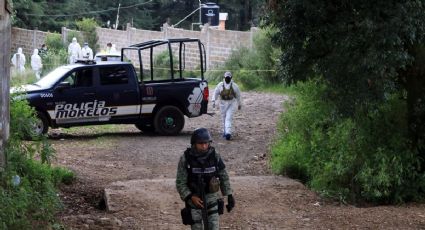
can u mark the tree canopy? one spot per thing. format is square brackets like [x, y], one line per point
[146, 14]
[356, 129]
[365, 50]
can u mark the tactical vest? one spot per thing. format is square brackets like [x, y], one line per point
[202, 169]
[227, 94]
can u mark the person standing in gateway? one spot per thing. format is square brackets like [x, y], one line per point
[18, 61]
[74, 50]
[36, 64]
[86, 52]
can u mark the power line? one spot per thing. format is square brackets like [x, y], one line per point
[90, 12]
[175, 25]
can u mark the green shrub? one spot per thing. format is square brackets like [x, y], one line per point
[28, 197]
[57, 53]
[362, 158]
[266, 56]
[249, 79]
[233, 63]
[34, 200]
[22, 78]
[53, 59]
[54, 41]
[253, 67]
[88, 27]
[73, 34]
[161, 66]
[62, 175]
[21, 117]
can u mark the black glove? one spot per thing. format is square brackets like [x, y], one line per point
[188, 197]
[230, 203]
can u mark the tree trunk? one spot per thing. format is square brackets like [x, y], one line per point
[5, 43]
[246, 14]
[415, 87]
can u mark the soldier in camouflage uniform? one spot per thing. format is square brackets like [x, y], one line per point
[201, 170]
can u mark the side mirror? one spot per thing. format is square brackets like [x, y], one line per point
[63, 85]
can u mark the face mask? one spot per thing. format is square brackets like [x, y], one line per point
[227, 80]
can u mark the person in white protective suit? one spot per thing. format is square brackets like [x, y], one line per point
[74, 50]
[113, 49]
[36, 64]
[230, 99]
[86, 52]
[108, 47]
[18, 60]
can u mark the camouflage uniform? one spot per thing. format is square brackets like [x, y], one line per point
[185, 190]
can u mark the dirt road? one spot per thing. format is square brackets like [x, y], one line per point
[137, 172]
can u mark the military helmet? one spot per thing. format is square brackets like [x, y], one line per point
[228, 74]
[200, 135]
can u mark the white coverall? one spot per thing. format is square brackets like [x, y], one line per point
[227, 107]
[113, 49]
[18, 60]
[36, 64]
[86, 53]
[74, 50]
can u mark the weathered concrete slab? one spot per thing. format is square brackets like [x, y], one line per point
[160, 195]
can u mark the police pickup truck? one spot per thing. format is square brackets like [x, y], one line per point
[154, 92]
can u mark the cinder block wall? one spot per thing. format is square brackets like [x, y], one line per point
[28, 40]
[219, 44]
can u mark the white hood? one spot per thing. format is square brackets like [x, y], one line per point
[24, 88]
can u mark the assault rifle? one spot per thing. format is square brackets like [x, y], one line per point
[204, 201]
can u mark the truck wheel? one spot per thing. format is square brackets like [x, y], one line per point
[169, 120]
[145, 128]
[40, 126]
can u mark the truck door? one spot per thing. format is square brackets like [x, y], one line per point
[119, 91]
[74, 98]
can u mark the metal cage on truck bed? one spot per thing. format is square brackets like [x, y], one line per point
[156, 56]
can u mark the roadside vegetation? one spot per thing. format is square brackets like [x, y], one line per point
[365, 157]
[29, 183]
[354, 129]
[347, 130]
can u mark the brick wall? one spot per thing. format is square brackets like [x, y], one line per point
[218, 43]
[28, 40]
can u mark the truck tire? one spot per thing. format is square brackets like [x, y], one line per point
[169, 120]
[41, 125]
[145, 128]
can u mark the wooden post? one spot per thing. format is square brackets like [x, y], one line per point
[5, 43]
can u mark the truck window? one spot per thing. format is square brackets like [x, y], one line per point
[80, 78]
[113, 75]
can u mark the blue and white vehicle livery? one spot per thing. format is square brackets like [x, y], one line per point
[152, 96]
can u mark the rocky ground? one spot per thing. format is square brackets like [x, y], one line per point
[136, 172]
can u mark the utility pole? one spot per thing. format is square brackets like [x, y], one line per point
[5, 43]
[200, 13]
[118, 15]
